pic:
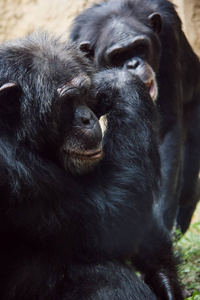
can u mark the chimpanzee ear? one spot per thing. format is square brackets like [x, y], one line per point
[156, 22]
[9, 97]
[85, 47]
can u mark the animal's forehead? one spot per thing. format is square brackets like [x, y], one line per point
[40, 67]
[123, 30]
[23, 62]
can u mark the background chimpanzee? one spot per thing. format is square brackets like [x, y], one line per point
[75, 207]
[145, 37]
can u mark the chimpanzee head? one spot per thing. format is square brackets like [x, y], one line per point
[122, 34]
[45, 102]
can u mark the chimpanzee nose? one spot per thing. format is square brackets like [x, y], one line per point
[84, 117]
[133, 63]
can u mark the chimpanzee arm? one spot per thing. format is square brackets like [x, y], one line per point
[131, 150]
[132, 131]
[131, 138]
[156, 261]
[129, 172]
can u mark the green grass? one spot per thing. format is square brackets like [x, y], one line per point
[189, 270]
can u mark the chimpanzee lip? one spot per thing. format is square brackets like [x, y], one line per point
[87, 155]
[151, 85]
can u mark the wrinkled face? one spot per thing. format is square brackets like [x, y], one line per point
[127, 43]
[46, 104]
[81, 147]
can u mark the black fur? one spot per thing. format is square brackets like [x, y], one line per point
[106, 31]
[69, 220]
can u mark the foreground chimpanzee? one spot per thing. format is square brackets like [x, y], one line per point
[69, 211]
[145, 37]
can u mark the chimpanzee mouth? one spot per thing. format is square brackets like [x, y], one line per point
[81, 162]
[87, 155]
[152, 88]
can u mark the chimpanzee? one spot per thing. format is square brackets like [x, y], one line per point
[145, 38]
[70, 214]
[66, 201]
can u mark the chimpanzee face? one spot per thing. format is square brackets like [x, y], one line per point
[45, 102]
[124, 41]
[81, 148]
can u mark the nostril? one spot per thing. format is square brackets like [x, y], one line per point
[133, 64]
[85, 120]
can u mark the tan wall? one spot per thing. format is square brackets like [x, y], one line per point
[189, 11]
[19, 17]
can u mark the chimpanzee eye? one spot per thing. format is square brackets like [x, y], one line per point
[141, 48]
[118, 59]
[68, 90]
[118, 56]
